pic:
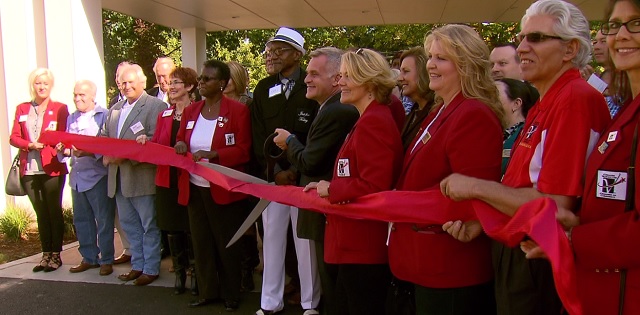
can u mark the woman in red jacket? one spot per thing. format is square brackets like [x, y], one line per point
[216, 130]
[42, 175]
[368, 162]
[173, 217]
[461, 134]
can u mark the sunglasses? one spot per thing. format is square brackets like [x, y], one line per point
[206, 78]
[613, 27]
[535, 37]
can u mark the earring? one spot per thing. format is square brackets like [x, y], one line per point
[513, 110]
[222, 88]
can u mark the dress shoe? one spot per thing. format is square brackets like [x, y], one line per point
[124, 258]
[131, 275]
[230, 305]
[145, 279]
[44, 262]
[201, 302]
[83, 266]
[106, 269]
[54, 263]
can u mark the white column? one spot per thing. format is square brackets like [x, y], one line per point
[22, 49]
[194, 47]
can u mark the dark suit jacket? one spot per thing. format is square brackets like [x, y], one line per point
[315, 160]
[153, 91]
[136, 179]
[294, 114]
[233, 154]
[55, 118]
[114, 100]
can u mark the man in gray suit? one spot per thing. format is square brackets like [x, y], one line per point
[316, 159]
[132, 182]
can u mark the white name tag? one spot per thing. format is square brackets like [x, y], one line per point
[229, 138]
[343, 168]
[137, 127]
[275, 90]
[506, 153]
[597, 83]
[22, 118]
[190, 124]
[167, 113]
[53, 125]
[611, 185]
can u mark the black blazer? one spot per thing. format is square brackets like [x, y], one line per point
[294, 114]
[315, 161]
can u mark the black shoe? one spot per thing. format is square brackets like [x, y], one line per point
[230, 305]
[201, 302]
[44, 262]
[54, 263]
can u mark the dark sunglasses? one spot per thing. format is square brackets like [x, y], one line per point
[613, 27]
[206, 78]
[535, 37]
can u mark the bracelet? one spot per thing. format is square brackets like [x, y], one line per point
[291, 136]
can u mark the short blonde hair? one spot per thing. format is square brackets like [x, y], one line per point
[239, 77]
[367, 67]
[470, 55]
[33, 76]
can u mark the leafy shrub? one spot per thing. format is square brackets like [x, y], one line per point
[69, 228]
[15, 221]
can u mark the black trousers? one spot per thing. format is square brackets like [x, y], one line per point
[212, 225]
[361, 289]
[45, 194]
[471, 300]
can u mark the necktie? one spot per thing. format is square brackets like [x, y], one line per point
[287, 86]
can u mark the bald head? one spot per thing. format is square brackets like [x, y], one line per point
[84, 95]
[163, 68]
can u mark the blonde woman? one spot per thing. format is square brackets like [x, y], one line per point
[237, 86]
[41, 174]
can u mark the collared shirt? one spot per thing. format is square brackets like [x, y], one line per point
[86, 171]
[124, 113]
[34, 121]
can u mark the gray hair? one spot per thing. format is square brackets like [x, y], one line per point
[163, 60]
[93, 89]
[570, 24]
[139, 72]
[334, 56]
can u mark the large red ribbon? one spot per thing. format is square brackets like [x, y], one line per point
[535, 219]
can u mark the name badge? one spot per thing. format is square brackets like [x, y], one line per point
[229, 138]
[612, 136]
[506, 153]
[611, 185]
[190, 125]
[22, 118]
[137, 127]
[276, 90]
[167, 113]
[53, 125]
[50, 112]
[343, 168]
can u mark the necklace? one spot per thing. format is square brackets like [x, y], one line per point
[214, 104]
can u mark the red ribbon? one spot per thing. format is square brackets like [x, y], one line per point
[535, 219]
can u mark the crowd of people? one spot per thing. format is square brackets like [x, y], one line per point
[505, 126]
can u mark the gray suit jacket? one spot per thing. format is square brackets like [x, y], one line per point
[136, 179]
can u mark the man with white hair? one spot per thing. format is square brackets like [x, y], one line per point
[93, 210]
[162, 69]
[132, 182]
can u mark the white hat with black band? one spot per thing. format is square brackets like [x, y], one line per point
[291, 37]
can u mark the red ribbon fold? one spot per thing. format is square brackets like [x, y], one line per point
[535, 219]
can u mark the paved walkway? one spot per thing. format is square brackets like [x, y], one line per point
[62, 292]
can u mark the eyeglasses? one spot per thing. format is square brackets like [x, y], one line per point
[535, 37]
[173, 83]
[613, 27]
[206, 78]
[275, 52]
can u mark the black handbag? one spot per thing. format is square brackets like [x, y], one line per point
[13, 186]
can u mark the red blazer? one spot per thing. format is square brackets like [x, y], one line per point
[236, 121]
[55, 114]
[466, 138]
[368, 162]
[164, 128]
[607, 238]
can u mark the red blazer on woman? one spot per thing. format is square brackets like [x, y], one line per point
[234, 124]
[606, 241]
[368, 162]
[466, 138]
[55, 118]
[164, 126]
